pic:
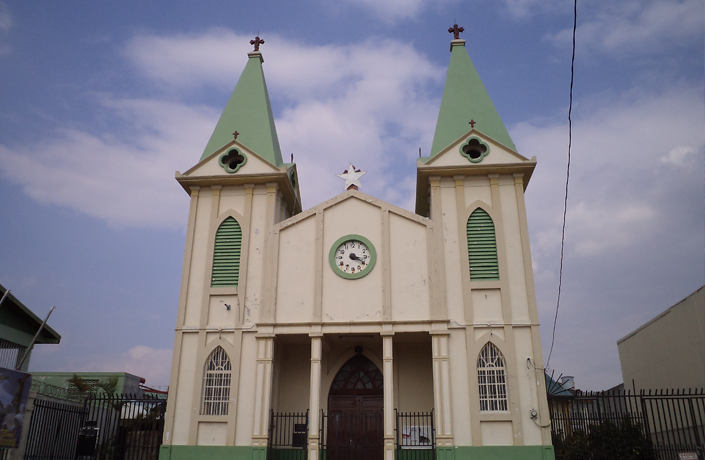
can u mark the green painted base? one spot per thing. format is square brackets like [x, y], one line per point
[496, 453]
[442, 453]
[212, 453]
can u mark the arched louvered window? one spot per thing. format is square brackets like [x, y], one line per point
[492, 379]
[226, 256]
[482, 247]
[216, 383]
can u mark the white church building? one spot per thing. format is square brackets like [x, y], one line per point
[356, 329]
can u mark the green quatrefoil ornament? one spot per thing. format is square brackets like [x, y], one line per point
[474, 150]
[232, 160]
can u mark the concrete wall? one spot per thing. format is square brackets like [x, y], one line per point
[668, 352]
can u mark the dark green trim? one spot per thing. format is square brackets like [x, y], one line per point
[20, 324]
[442, 453]
[211, 453]
[226, 166]
[482, 247]
[500, 453]
[482, 154]
[370, 265]
[226, 254]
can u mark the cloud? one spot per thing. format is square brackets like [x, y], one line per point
[5, 26]
[527, 8]
[5, 18]
[637, 27]
[678, 156]
[366, 102]
[338, 104]
[393, 11]
[635, 224]
[152, 364]
[125, 178]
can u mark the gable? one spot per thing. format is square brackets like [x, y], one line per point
[496, 153]
[399, 240]
[356, 195]
[210, 166]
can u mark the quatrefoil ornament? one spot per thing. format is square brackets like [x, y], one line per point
[232, 160]
[474, 150]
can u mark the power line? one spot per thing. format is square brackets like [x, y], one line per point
[567, 178]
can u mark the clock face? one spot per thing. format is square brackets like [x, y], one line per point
[352, 256]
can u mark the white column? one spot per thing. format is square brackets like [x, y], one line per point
[388, 373]
[441, 389]
[314, 443]
[263, 390]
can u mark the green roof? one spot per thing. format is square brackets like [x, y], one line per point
[250, 114]
[18, 324]
[465, 98]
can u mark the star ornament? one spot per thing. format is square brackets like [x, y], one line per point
[352, 177]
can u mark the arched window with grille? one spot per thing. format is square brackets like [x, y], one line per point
[492, 379]
[216, 383]
[482, 247]
[226, 255]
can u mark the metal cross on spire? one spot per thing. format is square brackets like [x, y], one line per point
[257, 41]
[352, 177]
[455, 30]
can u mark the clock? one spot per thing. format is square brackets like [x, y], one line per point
[352, 257]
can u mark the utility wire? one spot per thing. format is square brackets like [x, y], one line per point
[567, 178]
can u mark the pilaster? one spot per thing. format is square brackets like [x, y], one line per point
[263, 389]
[544, 416]
[270, 262]
[439, 309]
[314, 442]
[183, 295]
[388, 374]
[441, 387]
[386, 268]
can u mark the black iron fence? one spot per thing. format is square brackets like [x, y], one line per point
[416, 436]
[288, 436]
[348, 436]
[663, 425]
[98, 428]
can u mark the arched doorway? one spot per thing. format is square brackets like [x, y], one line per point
[355, 412]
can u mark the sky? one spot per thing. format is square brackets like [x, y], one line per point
[101, 102]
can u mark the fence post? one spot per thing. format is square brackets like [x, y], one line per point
[694, 426]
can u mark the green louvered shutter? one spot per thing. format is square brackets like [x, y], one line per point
[482, 247]
[226, 257]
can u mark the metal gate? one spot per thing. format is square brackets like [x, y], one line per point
[118, 427]
[53, 430]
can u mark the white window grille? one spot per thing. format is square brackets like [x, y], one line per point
[216, 383]
[492, 379]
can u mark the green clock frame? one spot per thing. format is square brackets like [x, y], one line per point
[370, 265]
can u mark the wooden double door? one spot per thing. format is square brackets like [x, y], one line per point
[355, 428]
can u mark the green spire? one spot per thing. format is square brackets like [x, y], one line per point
[464, 99]
[250, 114]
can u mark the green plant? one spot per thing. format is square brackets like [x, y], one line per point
[605, 441]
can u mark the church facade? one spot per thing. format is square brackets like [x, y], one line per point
[356, 329]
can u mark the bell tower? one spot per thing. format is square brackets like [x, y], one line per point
[239, 190]
[473, 184]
